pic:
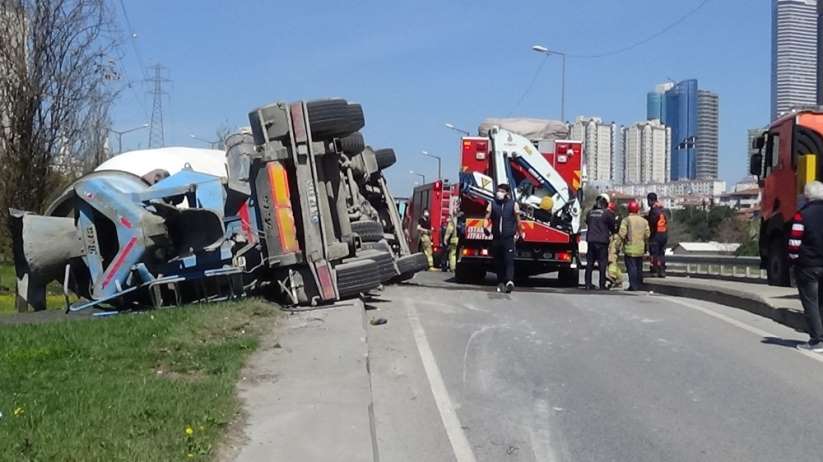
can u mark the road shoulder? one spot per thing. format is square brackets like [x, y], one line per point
[307, 395]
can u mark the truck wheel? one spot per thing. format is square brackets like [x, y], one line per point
[334, 118]
[352, 144]
[385, 158]
[369, 231]
[410, 264]
[384, 259]
[777, 270]
[469, 274]
[356, 277]
[569, 277]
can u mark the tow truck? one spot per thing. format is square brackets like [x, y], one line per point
[785, 157]
[547, 186]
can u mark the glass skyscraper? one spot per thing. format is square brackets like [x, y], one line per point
[681, 116]
[656, 101]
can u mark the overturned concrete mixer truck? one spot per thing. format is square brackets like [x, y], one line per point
[300, 211]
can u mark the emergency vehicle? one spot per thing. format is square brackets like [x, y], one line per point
[545, 177]
[438, 198]
[785, 157]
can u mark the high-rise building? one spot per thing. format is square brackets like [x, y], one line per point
[681, 117]
[689, 113]
[820, 52]
[656, 101]
[708, 111]
[597, 138]
[618, 159]
[647, 152]
[794, 54]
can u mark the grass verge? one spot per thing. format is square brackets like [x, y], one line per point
[145, 387]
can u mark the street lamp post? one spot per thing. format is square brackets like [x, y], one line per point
[120, 134]
[422, 177]
[452, 127]
[547, 52]
[426, 153]
[212, 144]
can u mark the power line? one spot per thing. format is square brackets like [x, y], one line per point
[132, 40]
[645, 40]
[531, 84]
[617, 51]
[156, 131]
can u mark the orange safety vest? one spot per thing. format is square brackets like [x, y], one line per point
[662, 223]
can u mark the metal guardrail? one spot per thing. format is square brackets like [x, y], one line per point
[716, 266]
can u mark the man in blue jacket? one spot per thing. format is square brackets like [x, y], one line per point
[503, 216]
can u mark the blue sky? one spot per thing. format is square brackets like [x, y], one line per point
[417, 65]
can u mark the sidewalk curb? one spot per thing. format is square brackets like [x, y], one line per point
[309, 398]
[747, 301]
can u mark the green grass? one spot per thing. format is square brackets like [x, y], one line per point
[127, 387]
[54, 298]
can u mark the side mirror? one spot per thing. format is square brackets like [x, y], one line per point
[756, 164]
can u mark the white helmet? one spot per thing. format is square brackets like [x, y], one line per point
[605, 196]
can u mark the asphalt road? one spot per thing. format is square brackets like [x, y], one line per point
[460, 373]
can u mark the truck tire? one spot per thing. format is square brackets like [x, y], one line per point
[384, 259]
[469, 274]
[777, 269]
[334, 118]
[369, 231]
[356, 277]
[569, 277]
[410, 264]
[353, 144]
[385, 158]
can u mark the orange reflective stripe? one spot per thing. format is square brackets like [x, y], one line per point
[662, 223]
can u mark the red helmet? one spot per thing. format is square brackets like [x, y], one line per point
[634, 206]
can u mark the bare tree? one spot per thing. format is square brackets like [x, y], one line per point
[54, 99]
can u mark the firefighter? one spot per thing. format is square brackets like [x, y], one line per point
[450, 241]
[659, 228]
[424, 229]
[634, 232]
[503, 216]
[601, 225]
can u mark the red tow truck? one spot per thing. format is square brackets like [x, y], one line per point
[546, 185]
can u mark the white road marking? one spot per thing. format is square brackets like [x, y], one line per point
[454, 430]
[739, 324]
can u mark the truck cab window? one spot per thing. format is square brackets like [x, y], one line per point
[772, 158]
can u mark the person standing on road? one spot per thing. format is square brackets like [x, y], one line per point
[503, 216]
[634, 231]
[424, 229]
[601, 225]
[659, 227]
[450, 241]
[806, 255]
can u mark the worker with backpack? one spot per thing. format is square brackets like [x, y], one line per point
[634, 232]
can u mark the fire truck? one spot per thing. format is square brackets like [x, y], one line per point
[439, 199]
[545, 179]
[785, 158]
